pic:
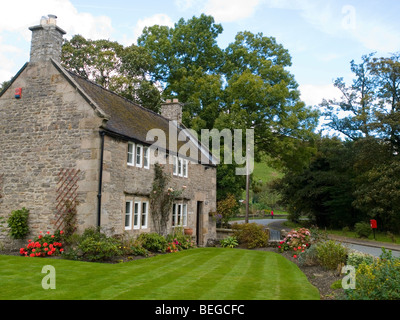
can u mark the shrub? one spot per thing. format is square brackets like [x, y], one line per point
[96, 246]
[44, 245]
[251, 235]
[153, 242]
[180, 240]
[330, 254]
[356, 258]
[379, 280]
[18, 223]
[296, 241]
[229, 242]
[362, 229]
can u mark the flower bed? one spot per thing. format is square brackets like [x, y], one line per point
[296, 241]
[44, 245]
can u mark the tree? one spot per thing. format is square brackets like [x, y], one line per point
[357, 103]
[124, 70]
[387, 74]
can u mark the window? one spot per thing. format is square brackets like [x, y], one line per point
[128, 215]
[139, 152]
[185, 168]
[175, 166]
[180, 167]
[179, 214]
[174, 215]
[131, 154]
[146, 160]
[184, 214]
[145, 207]
[136, 216]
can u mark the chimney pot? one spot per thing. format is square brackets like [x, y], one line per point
[47, 40]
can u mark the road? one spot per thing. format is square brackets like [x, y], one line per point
[365, 247]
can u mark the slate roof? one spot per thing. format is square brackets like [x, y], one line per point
[129, 119]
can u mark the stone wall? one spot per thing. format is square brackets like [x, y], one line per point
[122, 183]
[51, 127]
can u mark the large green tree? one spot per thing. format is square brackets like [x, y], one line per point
[124, 70]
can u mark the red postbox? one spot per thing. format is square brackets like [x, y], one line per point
[373, 223]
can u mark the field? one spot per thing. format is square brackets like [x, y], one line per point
[195, 274]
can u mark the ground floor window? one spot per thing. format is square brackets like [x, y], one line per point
[136, 214]
[179, 214]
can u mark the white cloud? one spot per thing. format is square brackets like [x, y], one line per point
[230, 10]
[313, 95]
[157, 19]
[16, 18]
[69, 18]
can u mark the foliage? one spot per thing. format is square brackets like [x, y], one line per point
[94, 245]
[226, 209]
[330, 254]
[379, 280]
[180, 240]
[44, 245]
[161, 199]
[18, 223]
[362, 229]
[296, 241]
[229, 242]
[123, 70]
[251, 235]
[69, 218]
[356, 258]
[153, 242]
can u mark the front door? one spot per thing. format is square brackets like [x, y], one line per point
[199, 223]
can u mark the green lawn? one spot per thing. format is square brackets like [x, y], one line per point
[195, 274]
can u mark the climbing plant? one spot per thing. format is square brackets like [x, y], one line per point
[161, 199]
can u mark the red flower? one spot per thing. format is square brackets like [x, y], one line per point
[52, 235]
[32, 254]
[294, 256]
[45, 244]
[50, 253]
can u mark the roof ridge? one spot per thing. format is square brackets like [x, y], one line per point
[114, 93]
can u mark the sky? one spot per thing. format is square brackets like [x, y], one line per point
[322, 36]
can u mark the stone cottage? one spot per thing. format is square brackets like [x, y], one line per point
[65, 140]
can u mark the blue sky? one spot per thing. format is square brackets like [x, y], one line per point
[322, 36]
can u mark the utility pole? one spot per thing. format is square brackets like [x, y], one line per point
[247, 187]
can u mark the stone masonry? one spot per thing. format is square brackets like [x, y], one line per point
[54, 126]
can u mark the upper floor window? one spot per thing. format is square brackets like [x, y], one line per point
[138, 156]
[180, 167]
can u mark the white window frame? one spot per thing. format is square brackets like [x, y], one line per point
[185, 168]
[139, 156]
[145, 214]
[184, 215]
[179, 215]
[136, 215]
[146, 157]
[180, 167]
[175, 165]
[128, 205]
[131, 154]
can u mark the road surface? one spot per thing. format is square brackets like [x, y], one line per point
[362, 246]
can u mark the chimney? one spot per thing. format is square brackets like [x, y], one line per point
[172, 110]
[47, 40]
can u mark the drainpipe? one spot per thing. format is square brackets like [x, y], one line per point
[102, 134]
